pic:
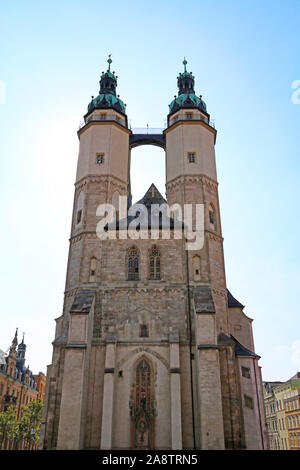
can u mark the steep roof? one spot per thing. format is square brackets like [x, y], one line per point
[241, 350]
[232, 301]
[154, 219]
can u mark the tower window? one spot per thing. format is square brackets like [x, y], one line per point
[189, 115]
[154, 264]
[92, 276]
[246, 372]
[79, 215]
[103, 116]
[191, 157]
[144, 331]
[248, 402]
[196, 266]
[133, 265]
[212, 217]
[100, 158]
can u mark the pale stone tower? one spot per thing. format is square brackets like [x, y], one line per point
[152, 351]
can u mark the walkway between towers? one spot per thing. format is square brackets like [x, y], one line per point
[147, 136]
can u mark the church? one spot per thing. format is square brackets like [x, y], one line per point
[151, 351]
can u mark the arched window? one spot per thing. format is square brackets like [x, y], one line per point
[212, 217]
[142, 406]
[154, 264]
[133, 264]
[144, 331]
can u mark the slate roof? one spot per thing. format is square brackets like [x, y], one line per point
[203, 300]
[240, 350]
[152, 196]
[83, 301]
[232, 302]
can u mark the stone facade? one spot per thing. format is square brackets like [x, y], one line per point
[145, 361]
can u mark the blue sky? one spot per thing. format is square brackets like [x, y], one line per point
[245, 57]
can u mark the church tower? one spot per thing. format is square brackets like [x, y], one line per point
[151, 351]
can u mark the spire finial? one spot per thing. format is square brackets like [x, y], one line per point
[184, 63]
[109, 61]
[23, 338]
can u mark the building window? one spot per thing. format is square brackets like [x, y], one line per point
[133, 265]
[79, 215]
[144, 331]
[196, 268]
[154, 264]
[103, 116]
[212, 217]
[248, 402]
[191, 157]
[142, 406]
[189, 115]
[93, 262]
[100, 158]
[246, 372]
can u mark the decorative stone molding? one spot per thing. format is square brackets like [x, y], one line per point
[221, 293]
[102, 179]
[181, 180]
[146, 350]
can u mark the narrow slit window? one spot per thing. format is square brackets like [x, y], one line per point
[191, 157]
[100, 158]
[79, 216]
[92, 277]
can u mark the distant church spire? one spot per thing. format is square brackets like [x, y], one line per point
[109, 60]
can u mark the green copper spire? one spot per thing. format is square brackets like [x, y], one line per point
[107, 97]
[187, 97]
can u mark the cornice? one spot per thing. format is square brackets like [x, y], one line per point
[182, 179]
[92, 178]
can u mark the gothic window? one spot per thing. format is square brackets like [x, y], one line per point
[154, 264]
[133, 265]
[196, 268]
[212, 217]
[191, 157]
[92, 276]
[142, 406]
[144, 331]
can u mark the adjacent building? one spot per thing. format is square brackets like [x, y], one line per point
[291, 400]
[282, 401]
[18, 385]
